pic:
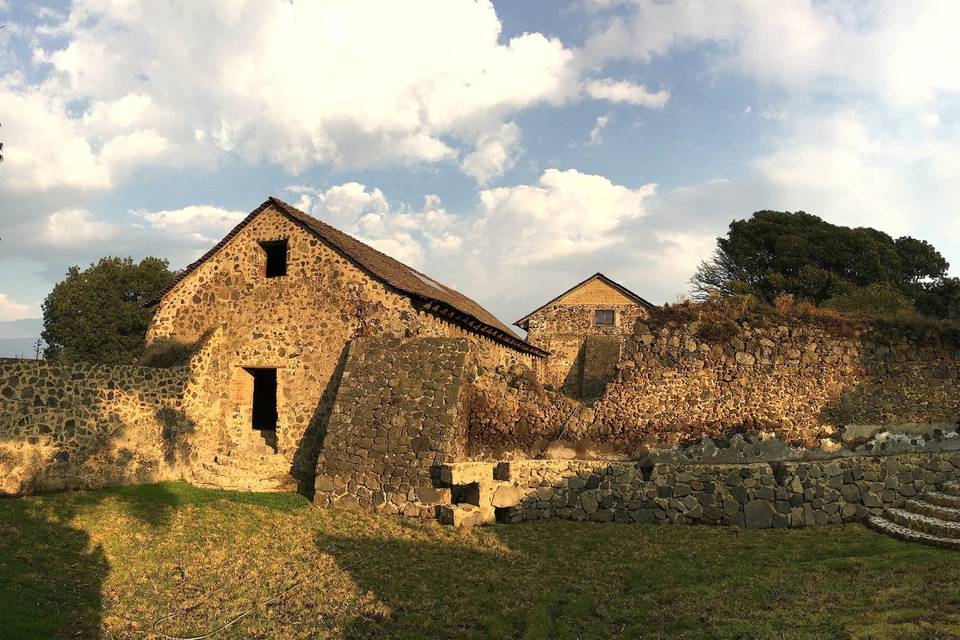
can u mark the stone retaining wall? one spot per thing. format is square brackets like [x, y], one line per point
[680, 382]
[397, 416]
[81, 426]
[784, 494]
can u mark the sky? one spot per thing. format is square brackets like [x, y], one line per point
[508, 149]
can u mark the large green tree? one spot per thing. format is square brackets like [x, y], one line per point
[97, 314]
[775, 252]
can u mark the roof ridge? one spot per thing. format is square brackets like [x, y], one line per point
[436, 296]
[610, 281]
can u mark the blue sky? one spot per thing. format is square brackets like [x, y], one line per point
[508, 149]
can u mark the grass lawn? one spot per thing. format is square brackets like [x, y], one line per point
[108, 564]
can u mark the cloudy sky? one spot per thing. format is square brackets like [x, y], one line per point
[509, 149]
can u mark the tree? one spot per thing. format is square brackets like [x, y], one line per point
[97, 314]
[940, 299]
[775, 252]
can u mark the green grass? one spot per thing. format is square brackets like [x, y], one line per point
[108, 564]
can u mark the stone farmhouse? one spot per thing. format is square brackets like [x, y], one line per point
[286, 294]
[584, 330]
[292, 356]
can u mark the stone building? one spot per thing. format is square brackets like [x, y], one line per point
[583, 329]
[267, 316]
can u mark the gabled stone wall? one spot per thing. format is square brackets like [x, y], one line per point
[79, 426]
[399, 414]
[300, 324]
[562, 329]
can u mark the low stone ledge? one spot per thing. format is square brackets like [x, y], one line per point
[757, 495]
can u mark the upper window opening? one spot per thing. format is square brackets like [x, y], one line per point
[276, 263]
[603, 317]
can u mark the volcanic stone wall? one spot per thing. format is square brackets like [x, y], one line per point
[753, 496]
[566, 331]
[300, 324]
[82, 426]
[680, 382]
[399, 414]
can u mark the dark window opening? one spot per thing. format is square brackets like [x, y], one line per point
[276, 263]
[465, 493]
[264, 399]
[603, 317]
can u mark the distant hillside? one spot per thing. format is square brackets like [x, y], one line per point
[17, 347]
[17, 337]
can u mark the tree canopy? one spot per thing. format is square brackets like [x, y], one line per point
[774, 253]
[97, 314]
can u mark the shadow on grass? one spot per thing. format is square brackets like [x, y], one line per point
[511, 581]
[566, 580]
[51, 572]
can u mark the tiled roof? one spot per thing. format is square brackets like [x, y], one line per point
[432, 295]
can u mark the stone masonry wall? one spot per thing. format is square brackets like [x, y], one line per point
[397, 416]
[759, 495]
[679, 382]
[562, 329]
[82, 426]
[300, 323]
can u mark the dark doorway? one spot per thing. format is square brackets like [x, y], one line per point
[264, 399]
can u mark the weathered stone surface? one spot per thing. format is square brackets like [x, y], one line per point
[584, 356]
[81, 426]
[370, 436]
[796, 390]
[758, 514]
[506, 496]
[743, 495]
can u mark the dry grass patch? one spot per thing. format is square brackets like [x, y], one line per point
[108, 564]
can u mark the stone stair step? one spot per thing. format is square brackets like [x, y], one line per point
[921, 506]
[942, 499]
[248, 459]
[465, 515]
[882, 525]
[922, 523]
[951, 488]
[213, 480]
[241, 473]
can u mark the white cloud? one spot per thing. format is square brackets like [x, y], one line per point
[296, 84]
[10, 310]
[904, 53]
[494, 154]
[193, 219]
[596, 134]
[626, 92]
[564, 214]
[402, 232]
[75, 227]
[515, 242]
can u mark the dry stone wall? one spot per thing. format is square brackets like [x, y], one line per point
[81, 426]
[762, 495]
[677, 383]
[398, 415]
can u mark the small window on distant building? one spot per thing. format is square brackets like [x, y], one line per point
[603, 318]
[276, 263]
